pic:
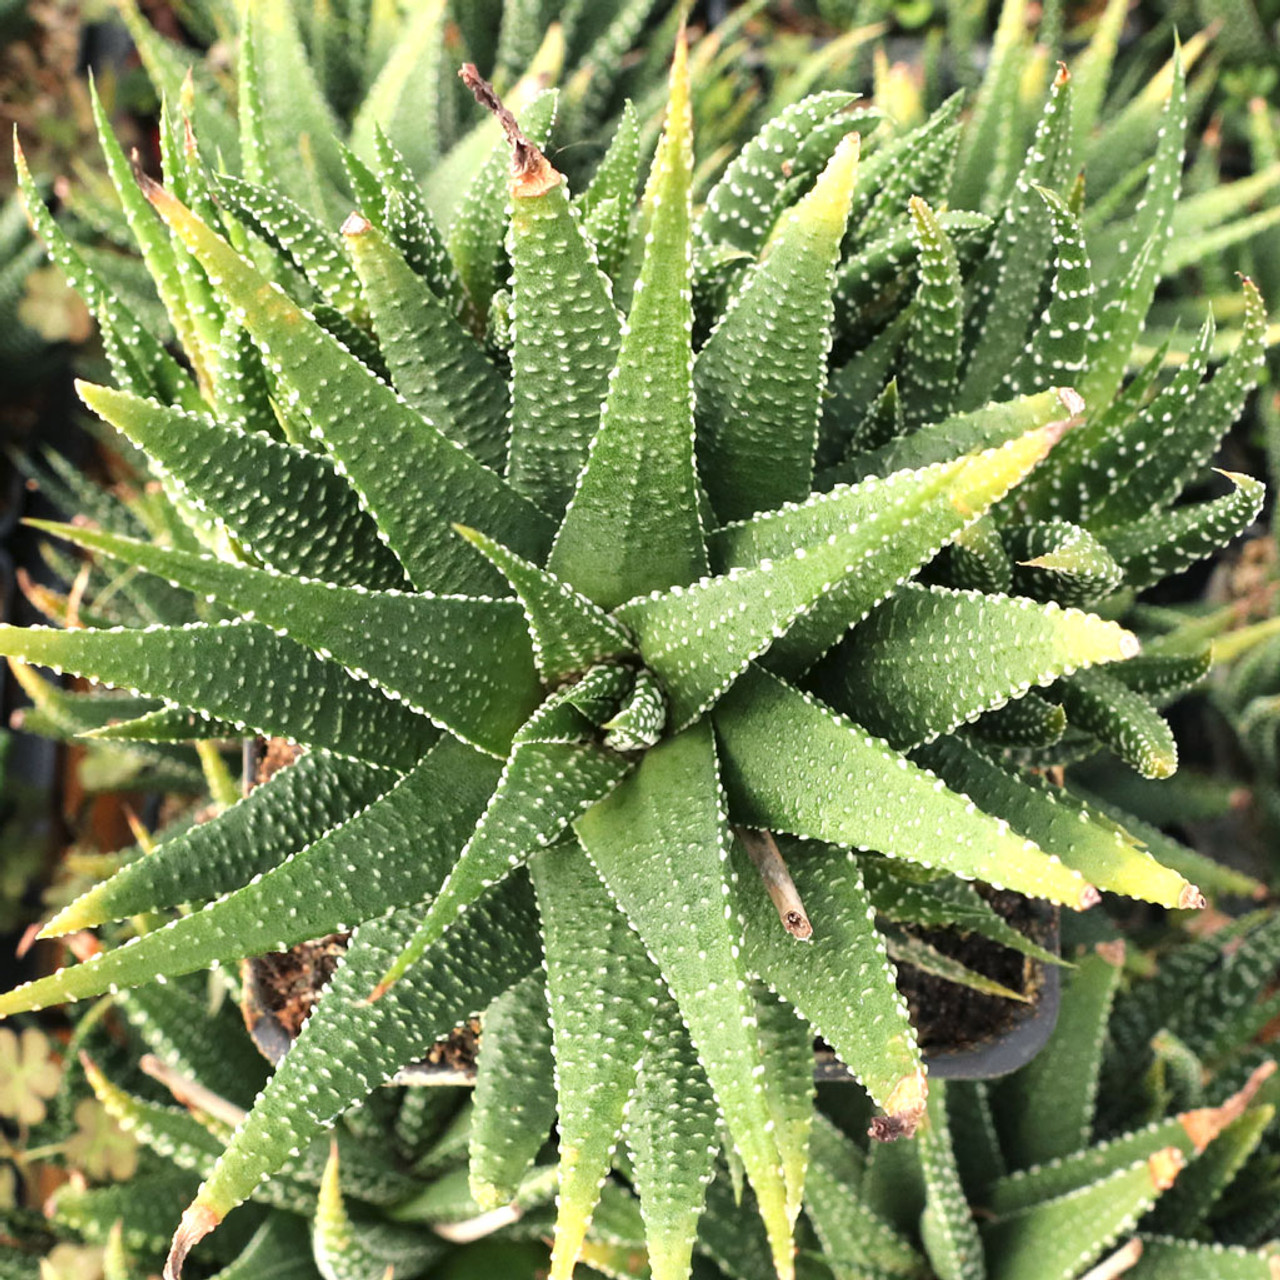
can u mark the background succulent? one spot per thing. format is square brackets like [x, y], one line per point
[608, 648]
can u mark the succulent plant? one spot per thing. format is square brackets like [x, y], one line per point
[1145, 1131]
[1144, 1135]
[601, 632]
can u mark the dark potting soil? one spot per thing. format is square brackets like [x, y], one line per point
[282, 987]
[286, 985]
[950, 1016]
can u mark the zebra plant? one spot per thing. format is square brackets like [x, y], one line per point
[1142, 1141]
[650, 624]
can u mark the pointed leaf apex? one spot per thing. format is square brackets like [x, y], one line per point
[1062, 77]
[1191, 899]
[532, 174]
[356, 224]
[197, 1222]
[1164, 1166]
[904, 1109]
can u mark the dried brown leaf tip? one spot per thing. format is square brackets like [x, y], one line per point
[531, 173]
[904, 1110]
[1164, 1166]
[196, 1223]
[1205, 1123]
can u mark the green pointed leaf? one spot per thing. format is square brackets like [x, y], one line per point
[1092, 71]
[209, 1048]
[569, 633]
[1167, 542]
[917, 163]
[590, 90]
[1028, 721]
[864, 1019]
[279, 1250]
[289, 508]
[1060, 561]
[886, 266]
[419, 826]
[353, 1249]
[408, 98]
[977, 560]
[1045, 1110]
[985, 428]
[1122, 309]
[306, 242]
[633, 524]
[435, 364]
[1189, 1203]
[906, 948]
[567, 334]
[1086, 839]
[1167, 1259]
[786, 1049]
[758, 418]
[167, 64]
[242, 391]
[743, 206]
[151, 237]
[361, 1045]
[556, 771]
[296, 806]
[1122, 720]
[660, 842]
[601, 987]
[993, 109]
[1192, 413]
[138, 360]
[409, 225]
[797, 580]
[169, 724]
[515, 1101]
[1058, 1239]
[1088, 464]
[853, 1236]
[763, 724]
[1056, 350]
[932, 358]
[897, 672]
[672, 1137]
[947, 903]
[606, 205]
[419, 649]
[1008, 284]
[384, 448]
[231, 671]
[145, 1206]
[948, 1227]
[293, 120]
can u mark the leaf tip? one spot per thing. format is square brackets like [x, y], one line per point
[355, 224]
[904, 1109]
[1191, 899]
[1089, 897]
[1164, 1166]
[197, 1222]
[532, 174]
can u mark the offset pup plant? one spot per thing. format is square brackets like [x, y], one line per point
[587, 620]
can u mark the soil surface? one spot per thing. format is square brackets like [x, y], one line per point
[951, 1016]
